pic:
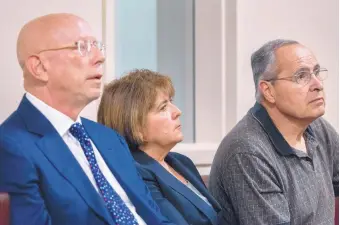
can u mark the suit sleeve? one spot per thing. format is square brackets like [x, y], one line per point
[19, 178]
[167, 209]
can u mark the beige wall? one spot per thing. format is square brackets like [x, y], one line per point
[247, 23]
[13, 16]
[227, 32]
[311, 22]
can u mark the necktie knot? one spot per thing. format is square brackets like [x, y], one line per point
[78, 131]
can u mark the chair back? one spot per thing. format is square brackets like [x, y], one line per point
[205, 179]
[4, 209]
[336, 219]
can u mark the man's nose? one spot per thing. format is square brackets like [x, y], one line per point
[316, 83]
[98, 55]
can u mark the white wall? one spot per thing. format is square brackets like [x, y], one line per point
[314, 23]
[248, 24]
[14, 14]
[227, 32]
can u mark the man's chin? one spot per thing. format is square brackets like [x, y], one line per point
[92, 97]
[95, 93]
[317, 112]
[320, 111]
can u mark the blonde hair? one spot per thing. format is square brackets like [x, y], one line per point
[126, 102]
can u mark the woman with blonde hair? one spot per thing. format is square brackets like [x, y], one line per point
[139, 106]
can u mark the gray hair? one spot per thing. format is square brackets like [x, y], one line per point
[263, 63]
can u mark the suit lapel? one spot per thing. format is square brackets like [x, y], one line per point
[175, 184]
[111, 153]
[61, 157]
[194, 180]
[115, 158]
[57, 152]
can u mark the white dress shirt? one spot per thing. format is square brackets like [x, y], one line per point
[62, 123]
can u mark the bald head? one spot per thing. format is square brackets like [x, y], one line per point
[62, 62]
[48, 32]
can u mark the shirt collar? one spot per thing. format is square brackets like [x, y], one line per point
[281, 145]
[60, 121]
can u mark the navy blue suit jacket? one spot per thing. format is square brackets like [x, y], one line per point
[47, 185]
[177, 201]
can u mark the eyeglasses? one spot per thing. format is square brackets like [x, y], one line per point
[303, 77]
[84, 47]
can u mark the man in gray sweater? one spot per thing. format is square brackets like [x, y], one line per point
[280, 163]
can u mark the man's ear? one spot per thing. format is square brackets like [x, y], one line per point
[267, 90]
[36, 68]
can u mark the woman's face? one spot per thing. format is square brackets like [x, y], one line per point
[163, 127]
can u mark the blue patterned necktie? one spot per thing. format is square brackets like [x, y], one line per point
[118, 209]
